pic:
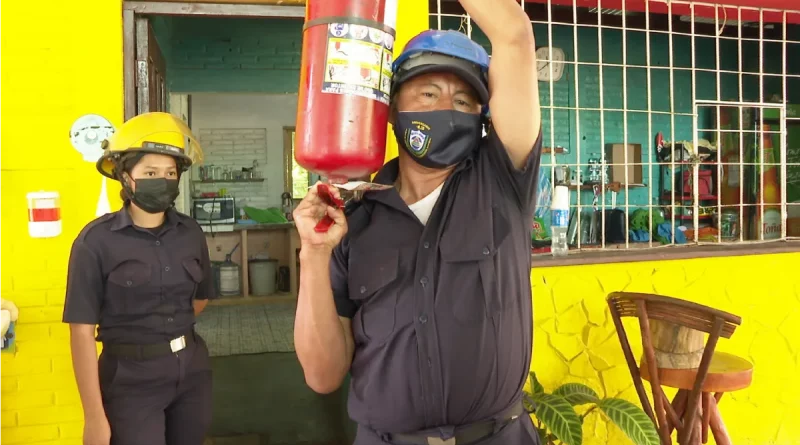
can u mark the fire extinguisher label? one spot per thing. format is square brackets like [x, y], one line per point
[359, 61]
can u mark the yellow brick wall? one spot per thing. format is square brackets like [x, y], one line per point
[575, 341]
[59, 62]
[412, 18]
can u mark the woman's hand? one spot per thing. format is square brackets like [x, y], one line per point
[310, 211]
[96, 431]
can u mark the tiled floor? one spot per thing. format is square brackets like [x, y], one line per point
[248, 329]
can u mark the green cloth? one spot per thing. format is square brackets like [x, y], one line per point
[272, 215]
[639, 219]
[639, 222]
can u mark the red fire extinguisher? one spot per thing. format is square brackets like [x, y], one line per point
[345, 78]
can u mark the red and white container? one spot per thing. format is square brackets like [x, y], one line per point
[44, 214]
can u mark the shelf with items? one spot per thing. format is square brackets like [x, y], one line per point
[610, 186]
[609, 172]
[212, 174]
[217, 181]
[680, 196]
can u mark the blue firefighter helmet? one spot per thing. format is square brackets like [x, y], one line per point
[444, 51]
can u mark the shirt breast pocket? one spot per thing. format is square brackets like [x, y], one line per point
[368, 282]
[128, 291]
[468, 265]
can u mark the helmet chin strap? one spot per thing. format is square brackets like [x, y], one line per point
[126, 186]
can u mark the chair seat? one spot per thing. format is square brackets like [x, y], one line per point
[727, 373]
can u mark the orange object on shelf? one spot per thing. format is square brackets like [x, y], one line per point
[769, 193]
[729, 150]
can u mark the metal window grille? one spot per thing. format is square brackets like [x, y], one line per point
[724, 172]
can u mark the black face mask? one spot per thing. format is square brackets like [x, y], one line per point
[438, 139]
[155, 195]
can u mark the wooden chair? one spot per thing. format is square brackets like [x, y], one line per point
[701, 375]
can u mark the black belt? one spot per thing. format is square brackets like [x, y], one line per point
[146, 352]
[463, 435]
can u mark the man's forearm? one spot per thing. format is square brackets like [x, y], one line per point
[319, 337]
[503, 21]
[84, 364]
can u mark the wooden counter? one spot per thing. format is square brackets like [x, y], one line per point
[279, 241]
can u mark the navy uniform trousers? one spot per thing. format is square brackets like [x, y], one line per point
[160, 401]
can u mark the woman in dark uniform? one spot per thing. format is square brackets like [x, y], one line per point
[140, 276]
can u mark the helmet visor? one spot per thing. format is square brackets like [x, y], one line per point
[437, 63]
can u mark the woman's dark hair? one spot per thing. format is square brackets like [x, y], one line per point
[125, 165]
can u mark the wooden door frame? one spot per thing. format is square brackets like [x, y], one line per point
[131, 10]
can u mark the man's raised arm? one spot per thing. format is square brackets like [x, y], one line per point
[513, 82]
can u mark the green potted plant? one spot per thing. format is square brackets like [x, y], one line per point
[558, 422]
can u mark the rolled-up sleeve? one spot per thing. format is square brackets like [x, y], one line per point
[85, 286]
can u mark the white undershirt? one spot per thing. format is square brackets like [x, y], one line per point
[423, 208]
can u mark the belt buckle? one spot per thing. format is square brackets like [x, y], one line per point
[177, 344]
[439, 441]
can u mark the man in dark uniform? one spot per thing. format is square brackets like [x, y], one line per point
[140, 275]
[423, 291]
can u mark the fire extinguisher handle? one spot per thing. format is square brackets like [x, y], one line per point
[324, 225]
[326, 195]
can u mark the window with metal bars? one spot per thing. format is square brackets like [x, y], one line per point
[672, 122]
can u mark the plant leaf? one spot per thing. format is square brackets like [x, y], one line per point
[527, 402]
[577, 394]
[559, 417]
[542, 435]
[631, 420]
[536, 387]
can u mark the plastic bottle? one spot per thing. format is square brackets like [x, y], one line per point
[559, 209]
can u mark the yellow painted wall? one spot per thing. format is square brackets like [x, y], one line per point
[412, 18]
[59, 62]
[575, 341]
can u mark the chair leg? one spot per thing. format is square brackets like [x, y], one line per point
[717, 425]
[679, 405]
[706, 415]
[693, 436]
[697, 434]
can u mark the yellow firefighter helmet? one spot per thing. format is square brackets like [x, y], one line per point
[155, 132]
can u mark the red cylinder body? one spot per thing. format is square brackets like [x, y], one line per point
[345, 76]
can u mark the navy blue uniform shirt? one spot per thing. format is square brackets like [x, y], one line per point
[138, 284]
[441, 312]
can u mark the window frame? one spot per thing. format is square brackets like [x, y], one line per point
[579, 18]
[288, 158]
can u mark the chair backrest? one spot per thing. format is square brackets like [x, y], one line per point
[673, 310]
[647, 307]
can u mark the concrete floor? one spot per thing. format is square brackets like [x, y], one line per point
[262, 399]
